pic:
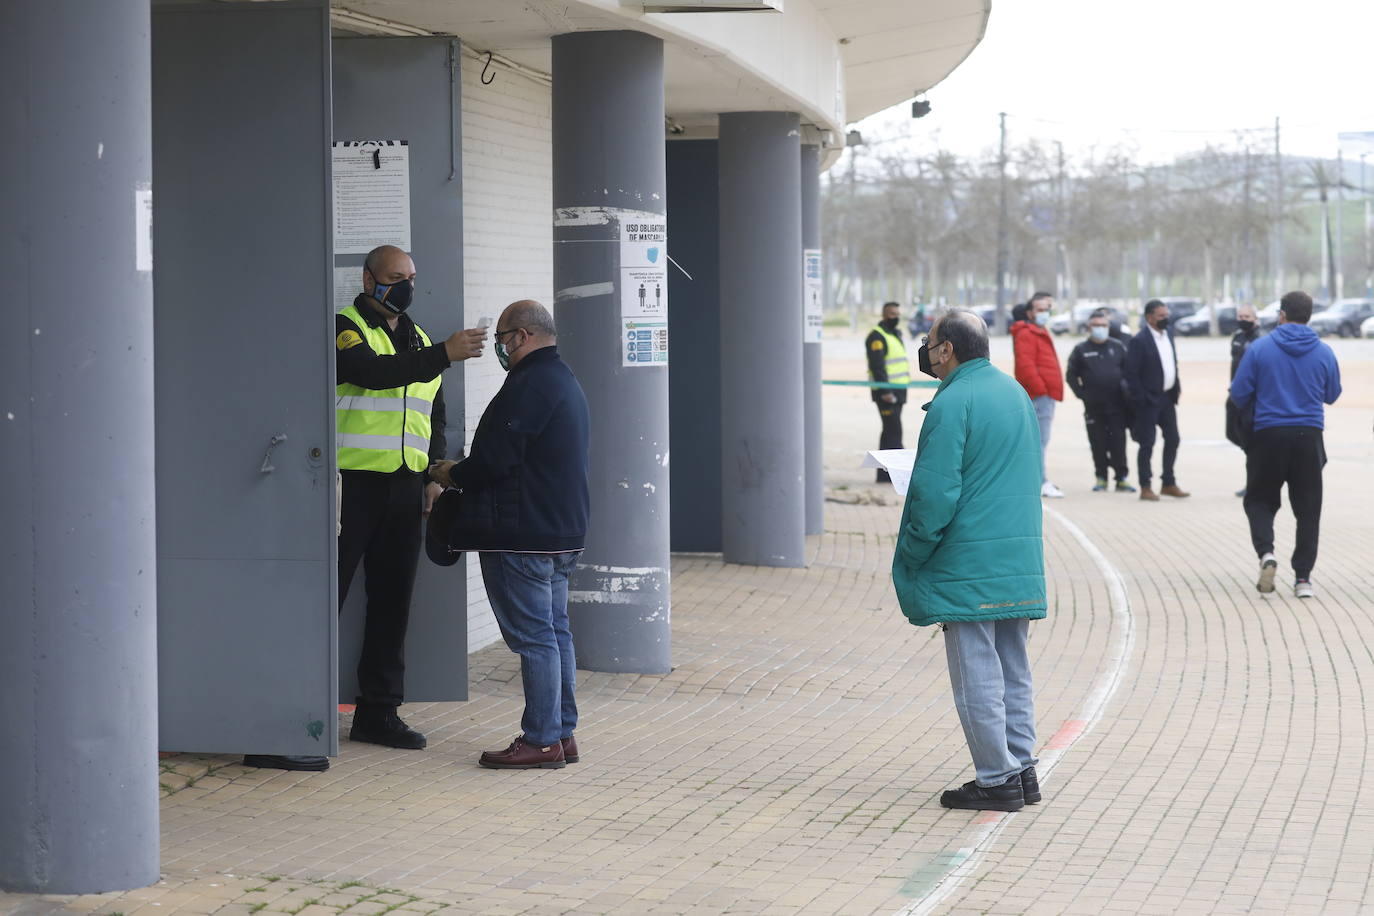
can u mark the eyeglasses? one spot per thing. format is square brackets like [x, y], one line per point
[498, 334]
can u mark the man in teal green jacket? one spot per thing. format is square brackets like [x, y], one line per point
[970, 554]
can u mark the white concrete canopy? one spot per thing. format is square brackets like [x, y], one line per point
[833, 61]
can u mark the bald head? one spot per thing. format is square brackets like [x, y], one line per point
[386, 264]
[525, 326]
[966, 335]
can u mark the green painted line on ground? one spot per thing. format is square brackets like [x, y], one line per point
[833, 381]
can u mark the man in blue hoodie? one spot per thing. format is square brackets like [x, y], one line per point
[1287, 376]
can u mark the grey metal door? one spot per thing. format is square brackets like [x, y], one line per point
[407, 89]
[244, 378]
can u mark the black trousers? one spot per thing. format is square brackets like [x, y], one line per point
[380, 526]
[1293, 455]
[1107, 437]
[891, 437]
[1147, 419]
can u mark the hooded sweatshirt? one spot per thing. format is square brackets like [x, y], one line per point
[1288, 376]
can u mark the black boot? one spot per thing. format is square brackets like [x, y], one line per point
[380, 725]
[1030, 786]
[973, 797]
[286, 762]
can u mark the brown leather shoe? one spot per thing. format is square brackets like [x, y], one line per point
[1172, 490]
[570, 750]
[522, 756]
[1149, 495]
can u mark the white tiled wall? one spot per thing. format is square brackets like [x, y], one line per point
[507, 239]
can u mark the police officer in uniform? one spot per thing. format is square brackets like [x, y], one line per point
[390, 428]
[887, 362]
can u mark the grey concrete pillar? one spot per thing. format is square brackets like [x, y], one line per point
[78, 680]
[812, 298]
[610, 282]
[763, 467]
[694, 384]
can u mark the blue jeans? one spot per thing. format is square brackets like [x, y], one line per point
[1044, 413]
[529, 596]
[990, 673]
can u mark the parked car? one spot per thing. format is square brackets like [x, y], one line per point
[1072, 320]
[1200, 322]
[1344, 317]
[1269, 315]
[1367, 329]
[1180, 306]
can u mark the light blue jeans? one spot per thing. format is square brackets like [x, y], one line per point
[990, 673]
[529, 596]
[1044, 412]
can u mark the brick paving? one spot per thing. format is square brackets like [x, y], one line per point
[792, 761]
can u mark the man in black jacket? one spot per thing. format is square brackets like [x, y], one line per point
[1095, 375]
[1240, 423]
[1153, 387]
[524, 507]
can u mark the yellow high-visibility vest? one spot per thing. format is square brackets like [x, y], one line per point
[898, 370]
[378, 430]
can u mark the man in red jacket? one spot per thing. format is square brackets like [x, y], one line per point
[1037, 369]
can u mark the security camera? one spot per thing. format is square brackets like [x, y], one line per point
[920, 108]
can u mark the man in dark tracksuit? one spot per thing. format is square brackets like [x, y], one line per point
[390, 416]
[1240, 423]
[1095, 375]
[887, 362]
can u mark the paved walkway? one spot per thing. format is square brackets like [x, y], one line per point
[1206, 748]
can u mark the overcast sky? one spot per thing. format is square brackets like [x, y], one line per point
[1164, 75]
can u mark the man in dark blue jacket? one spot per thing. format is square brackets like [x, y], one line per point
[524, 508]
[1288, 376]
[1095, 375]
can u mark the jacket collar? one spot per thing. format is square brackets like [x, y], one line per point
[972, 365]
[360, 302]
[543, 354]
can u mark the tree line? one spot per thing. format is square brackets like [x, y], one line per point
[1222, 223]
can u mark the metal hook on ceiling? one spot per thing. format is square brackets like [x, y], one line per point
[486, 80]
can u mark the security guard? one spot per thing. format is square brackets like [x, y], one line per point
[887, 362]
[390, 428]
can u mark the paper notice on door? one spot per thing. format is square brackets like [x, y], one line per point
[348, 284]
[812, 306]
[644, 290]
[143, 229]
[371, 195]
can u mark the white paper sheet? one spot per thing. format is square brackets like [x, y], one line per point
[898, 462]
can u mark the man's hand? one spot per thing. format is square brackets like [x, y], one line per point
[462, 345]
[889, 397]
[438, 474]
[432, 491]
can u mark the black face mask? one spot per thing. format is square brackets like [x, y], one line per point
[1246, 326]
[395, 297]
[1163, 323]
[889, 324]
[923, 361]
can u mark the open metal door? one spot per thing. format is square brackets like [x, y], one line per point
[407, 89]
[247, 622]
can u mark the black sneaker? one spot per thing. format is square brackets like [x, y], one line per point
[973, 797]
[381, 725]
[1030, 786]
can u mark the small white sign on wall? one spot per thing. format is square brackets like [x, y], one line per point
[143, 229]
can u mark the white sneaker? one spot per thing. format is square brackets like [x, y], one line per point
[1050, 491]
[1268, 567]
[1303, 589]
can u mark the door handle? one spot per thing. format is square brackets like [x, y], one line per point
[267, 466]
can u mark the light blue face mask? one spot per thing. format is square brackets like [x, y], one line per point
[1042, 318]
[1099, 334]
